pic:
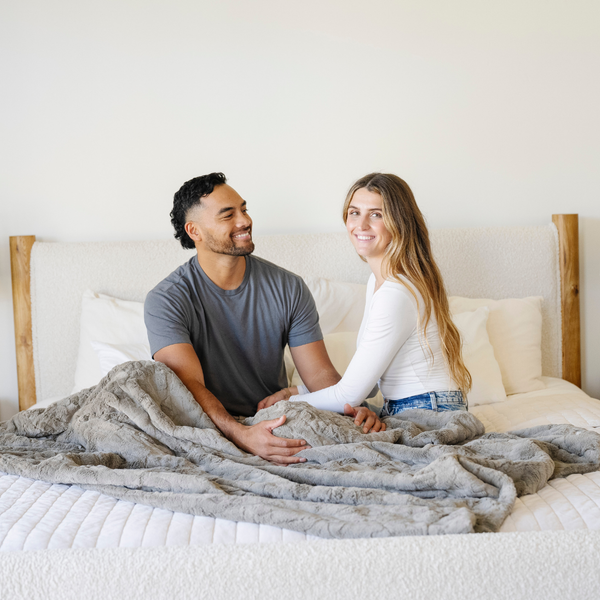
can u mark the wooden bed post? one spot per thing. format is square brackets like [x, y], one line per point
[568, 236]
[20, 262]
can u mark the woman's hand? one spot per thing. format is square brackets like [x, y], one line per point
[372, 422]
[284, 394]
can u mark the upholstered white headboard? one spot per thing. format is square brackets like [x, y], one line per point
[478, 263]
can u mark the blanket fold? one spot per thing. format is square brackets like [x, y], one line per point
[140, 436]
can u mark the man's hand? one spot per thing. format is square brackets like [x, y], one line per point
[372, 423]
[259, 440]
[283, 394]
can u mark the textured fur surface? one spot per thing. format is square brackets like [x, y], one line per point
[139, 435]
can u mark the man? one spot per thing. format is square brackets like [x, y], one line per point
[221, 321]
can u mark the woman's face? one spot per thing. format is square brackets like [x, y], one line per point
[365, 224]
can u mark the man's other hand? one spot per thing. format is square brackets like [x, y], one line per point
[361, 414]
[259, 440]
[283, 394]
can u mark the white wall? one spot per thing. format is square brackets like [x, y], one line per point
[488, 109]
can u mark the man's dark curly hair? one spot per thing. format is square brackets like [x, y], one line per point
[190, 194]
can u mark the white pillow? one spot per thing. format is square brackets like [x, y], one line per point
[340, 305]
[109, 320]
[479, 358]
[111, 355]
[515, 330]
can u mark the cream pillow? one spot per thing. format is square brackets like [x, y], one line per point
[109, 320]
[515, 330]
[479, 358]
[340, 305]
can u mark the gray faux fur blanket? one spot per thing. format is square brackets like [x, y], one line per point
[140, 436]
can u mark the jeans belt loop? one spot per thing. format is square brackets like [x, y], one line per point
[433, 398]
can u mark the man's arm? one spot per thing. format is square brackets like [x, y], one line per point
[257, 439]
[314, 366]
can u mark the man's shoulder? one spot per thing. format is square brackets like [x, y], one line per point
[265, 268]
[176, 282]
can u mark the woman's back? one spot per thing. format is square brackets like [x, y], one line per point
[417, 366]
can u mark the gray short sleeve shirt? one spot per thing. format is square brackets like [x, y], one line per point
[239, 335]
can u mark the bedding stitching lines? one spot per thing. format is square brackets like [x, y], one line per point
[551, 509]
[117, 503]
[584, 493]
[153, 508]
[89, 512]
[28, 509]
[13, 477]
[101, 527]
[66, 513]
[17, 498]
[589, 479]
[532, 512]
[569, 501]
[15, 480]
[46, 513]
[168, 528]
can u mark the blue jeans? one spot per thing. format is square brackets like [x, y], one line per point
[437, 401]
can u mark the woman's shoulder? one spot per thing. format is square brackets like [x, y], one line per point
[400, 285]
[397, 293]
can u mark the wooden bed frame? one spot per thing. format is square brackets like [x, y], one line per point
[568, 235]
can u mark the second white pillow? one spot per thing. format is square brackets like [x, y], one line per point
[479, 358]
[515, 331]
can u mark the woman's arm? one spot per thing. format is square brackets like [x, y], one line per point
[392, 319]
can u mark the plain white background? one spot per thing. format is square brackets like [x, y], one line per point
[488, 109]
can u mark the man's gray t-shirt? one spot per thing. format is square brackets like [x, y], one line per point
[239, 335]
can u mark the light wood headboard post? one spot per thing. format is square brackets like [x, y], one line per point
[568, 236]
[20, 261]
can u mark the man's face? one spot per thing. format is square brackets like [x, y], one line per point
[222, 223]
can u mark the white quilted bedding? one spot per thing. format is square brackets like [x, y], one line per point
[35, 515]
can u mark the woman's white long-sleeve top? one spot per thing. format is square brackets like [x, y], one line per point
[390, 351]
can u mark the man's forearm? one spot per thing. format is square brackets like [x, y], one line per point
[211, 405]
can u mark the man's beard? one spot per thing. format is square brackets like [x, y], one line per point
[228, 246]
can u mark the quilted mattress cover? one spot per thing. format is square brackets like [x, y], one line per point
[35, 515]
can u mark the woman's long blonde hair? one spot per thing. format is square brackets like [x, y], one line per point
[409, 254]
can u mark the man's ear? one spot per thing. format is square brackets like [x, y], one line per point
[193, 231]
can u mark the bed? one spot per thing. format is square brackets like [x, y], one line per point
[52, 535]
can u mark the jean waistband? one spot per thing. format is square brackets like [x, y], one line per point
[452, 396]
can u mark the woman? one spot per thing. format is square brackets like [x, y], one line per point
[407, 341]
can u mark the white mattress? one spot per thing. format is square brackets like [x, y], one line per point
[35, 515]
